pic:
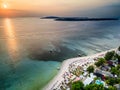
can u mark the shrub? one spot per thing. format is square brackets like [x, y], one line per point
[109, 55]
[94, 87]
[100, 62]
[119, 48]
[112, 88]
[113, 81]
[115, 70]
[118, 57]
[90, 69]
[77, 86]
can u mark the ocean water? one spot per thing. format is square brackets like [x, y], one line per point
[31, 49]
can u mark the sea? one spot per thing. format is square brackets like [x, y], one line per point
[32, 49]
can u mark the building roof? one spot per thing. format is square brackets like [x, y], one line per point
[88, 80]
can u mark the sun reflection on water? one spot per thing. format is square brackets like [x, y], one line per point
[11, 40]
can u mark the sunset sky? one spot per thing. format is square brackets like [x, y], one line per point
[50, 7]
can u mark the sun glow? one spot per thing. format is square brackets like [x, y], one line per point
[13, 50]
[5, 6]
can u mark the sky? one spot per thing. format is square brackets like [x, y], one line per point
[51, 7]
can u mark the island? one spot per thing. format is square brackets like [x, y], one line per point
[77, 18]
[49, 17]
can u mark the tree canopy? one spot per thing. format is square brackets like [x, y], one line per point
[80, 86]
[118, 57]
[90, 69]
[77, 86]
[112, 88]
[119, 48]
[109, 55]
[100, 62]
[94, 87]
[113, 81]
[115, 70]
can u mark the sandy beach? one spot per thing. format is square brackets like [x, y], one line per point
[65, 68]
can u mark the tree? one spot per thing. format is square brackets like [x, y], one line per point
[113, 81]
[118, 66]
[119, 48]
[109, 55]
[77, 86]
[112, 88]
[115, 70]
[118, 57]
[94, 87]
[117, 80]
[100, 62]
[90, 69]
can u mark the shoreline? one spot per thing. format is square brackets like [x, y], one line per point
[64, 68]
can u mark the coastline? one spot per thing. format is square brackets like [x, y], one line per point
[64, 68]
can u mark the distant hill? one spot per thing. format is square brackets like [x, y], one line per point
[77, 18]
[50, 17]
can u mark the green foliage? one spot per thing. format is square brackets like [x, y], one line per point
[112, 88]
[90, 69]
[100, 62]
[80, 86]
[77, 86]
[118, 57]
[96, 78]
[117, 80]
[109, 55]
[119, 48]
[114, 57]
[94, 87]
[115, 70]
[118, 66]
[110, 81]
[113, 81]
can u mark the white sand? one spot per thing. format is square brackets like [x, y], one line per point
[64, 68]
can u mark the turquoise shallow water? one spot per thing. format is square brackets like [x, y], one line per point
[30, 74]
[31, 49]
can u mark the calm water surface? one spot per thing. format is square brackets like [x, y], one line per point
[31, 49]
